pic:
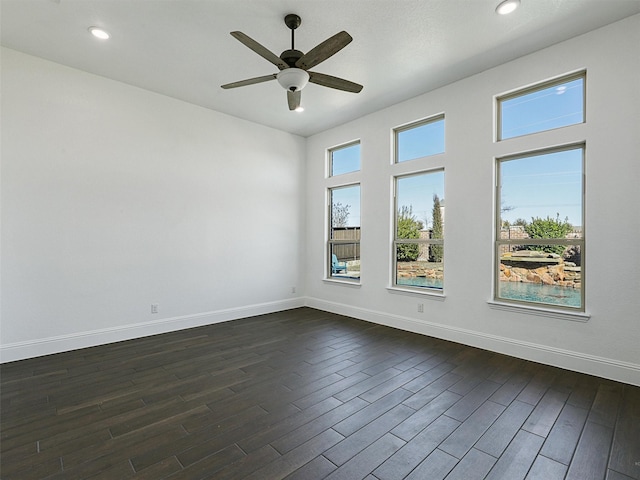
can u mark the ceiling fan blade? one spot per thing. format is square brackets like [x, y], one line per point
[250, 81]
[334, 82]
[324, 50]
[294, 99]
[260, 50]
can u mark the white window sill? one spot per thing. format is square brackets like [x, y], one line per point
[543, 312]
[348, 283]
[430, 294]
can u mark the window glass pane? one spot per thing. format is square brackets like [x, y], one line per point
[345, 207]
[540, 235]
[535, 273]
[420, 141]
[546, 186]
[344, 240]
[416, 196]
[345, 257]
[420, 220]
[555, 106]
[427, 270]
[345, 159]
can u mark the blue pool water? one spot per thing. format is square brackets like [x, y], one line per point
[533, 292]
[420, 282]
[520, 291]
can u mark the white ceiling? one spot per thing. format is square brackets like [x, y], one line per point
[400, 48]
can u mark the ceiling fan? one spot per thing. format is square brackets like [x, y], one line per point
[294, 65]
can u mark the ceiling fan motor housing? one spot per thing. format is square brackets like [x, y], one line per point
[293, 79]
[290, 57]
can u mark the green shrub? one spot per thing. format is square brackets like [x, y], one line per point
[408, 227]
[548, 228]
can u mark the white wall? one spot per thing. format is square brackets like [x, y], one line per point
[114, 198]
[608, 344]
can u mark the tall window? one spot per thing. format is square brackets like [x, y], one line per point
[550, 105]
[344, 159]
[344, 233]
[540, 246]
[420, 139]
[419, 231]
[540, 241]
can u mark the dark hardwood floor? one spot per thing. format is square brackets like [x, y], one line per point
[305, 394]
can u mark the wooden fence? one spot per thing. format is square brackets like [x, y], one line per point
[346, 251]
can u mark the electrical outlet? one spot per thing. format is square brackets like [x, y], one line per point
[154, 308]
[421, 308]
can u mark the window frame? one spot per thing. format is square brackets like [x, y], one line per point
[499, 242]
[330, 242]
[520, 92]
[395, 241]
[416, 124]
[342, 146]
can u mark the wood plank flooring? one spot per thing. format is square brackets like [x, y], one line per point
[305, 394]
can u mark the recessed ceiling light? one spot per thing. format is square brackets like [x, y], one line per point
[507, 6]
[99, 33]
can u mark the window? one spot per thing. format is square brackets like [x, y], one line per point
[344, 159]
[539, 237]
[420, 139]
[344, 233]
[419, 231]
[550, 105]
[343, 243]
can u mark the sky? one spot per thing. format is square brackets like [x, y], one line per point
[417, 191]
[349, 195]
[345, 159]
[542, 185]
[552, 107]
[548, 185]
[421, 141]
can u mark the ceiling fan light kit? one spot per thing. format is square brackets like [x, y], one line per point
[293, 79]
[294, 65]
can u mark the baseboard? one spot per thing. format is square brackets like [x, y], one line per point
[590, 364]
[625, 372]
[63, 343]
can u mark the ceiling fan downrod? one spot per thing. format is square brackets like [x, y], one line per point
[290, 57]
[292, 21]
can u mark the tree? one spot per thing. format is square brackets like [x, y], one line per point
[504, 209]
[548, 228]
[436, 252]
[339, 215]
[408, 227]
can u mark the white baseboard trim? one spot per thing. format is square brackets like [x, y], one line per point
[580, 362]
[74, 341]
[590, 364]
